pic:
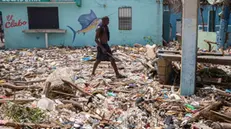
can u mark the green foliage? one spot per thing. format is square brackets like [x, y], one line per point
[22, 114]
[149, 40]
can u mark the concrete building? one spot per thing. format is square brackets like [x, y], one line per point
[42, 23]
[210, 16]
[208, 24]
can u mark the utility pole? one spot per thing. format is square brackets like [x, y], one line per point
[189, 46]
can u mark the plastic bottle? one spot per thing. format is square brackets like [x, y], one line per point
[190, 106]
[111, 94]
[228, 91]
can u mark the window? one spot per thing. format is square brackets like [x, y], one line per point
[43, 17]
[125, 18]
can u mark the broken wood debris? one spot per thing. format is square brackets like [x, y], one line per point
[58, 82]
[21, 125]
[11, 86]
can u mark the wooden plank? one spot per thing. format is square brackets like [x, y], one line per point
[210, 53]
[44, 31]
[222, 60]
[198, 53]
[204, 112]
[169, 51]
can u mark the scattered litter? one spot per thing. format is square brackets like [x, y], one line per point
[54, 88]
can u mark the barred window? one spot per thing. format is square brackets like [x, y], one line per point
[125, 18]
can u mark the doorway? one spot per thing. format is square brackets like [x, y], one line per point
[166, 25]
[1, 32]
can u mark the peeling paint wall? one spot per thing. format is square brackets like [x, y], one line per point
[205, 36]
[206, 8]
[147, 18]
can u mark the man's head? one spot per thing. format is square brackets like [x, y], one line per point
[105, 20]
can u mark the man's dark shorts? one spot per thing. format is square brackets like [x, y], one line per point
[103, 56]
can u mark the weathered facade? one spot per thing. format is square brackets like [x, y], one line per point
[208, 24]
[211, 18]
[38, 24]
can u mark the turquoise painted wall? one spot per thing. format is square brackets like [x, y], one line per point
[173, 21]
[147, 18]
[206, 8]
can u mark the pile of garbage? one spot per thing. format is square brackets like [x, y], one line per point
[53, 88]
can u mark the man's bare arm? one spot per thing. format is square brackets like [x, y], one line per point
[97, 40]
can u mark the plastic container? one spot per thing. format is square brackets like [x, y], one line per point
[190, 106]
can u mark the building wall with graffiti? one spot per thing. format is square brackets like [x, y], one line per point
[80, 23]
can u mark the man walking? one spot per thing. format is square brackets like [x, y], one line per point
[104, 52]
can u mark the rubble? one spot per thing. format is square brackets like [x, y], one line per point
[57, 83]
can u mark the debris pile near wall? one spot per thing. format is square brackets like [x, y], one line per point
[53, 88]
[207, 73]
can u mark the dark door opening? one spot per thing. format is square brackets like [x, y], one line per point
[166, 25]
[1, 31]
[43, 17]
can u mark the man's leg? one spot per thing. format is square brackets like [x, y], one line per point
[1, 37]
[114, 66]
[118, 75]
[2, 40]
[95, 66]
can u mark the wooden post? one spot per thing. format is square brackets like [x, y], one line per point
[46, 89]
[189, 46]
[164, 69]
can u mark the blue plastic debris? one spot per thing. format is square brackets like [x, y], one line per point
[228, 91]
[87, 58]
